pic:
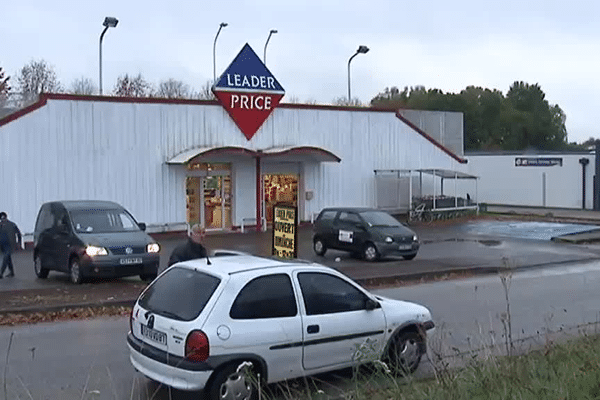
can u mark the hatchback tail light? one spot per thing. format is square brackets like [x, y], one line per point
[196, 346]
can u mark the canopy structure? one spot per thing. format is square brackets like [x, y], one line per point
[433, 197]
[296, 153]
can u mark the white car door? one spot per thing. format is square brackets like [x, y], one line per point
[341, 325]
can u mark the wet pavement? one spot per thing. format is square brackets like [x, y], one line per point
[447, 248]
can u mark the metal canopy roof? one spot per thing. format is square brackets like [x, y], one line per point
[439, 172]
[296, 152]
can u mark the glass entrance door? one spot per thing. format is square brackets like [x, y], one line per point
[279, 188]
[208, 195]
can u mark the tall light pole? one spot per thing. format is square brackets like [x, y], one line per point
[221, 26]
[266, 43]
[361, 50]
[109, 22]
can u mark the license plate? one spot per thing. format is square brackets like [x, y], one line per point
[128, 261]
[405, 247]
[154, 335]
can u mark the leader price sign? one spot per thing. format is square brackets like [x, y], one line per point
[248, 91]
[285, 236]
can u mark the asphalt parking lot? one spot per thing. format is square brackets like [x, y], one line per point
[456, 247]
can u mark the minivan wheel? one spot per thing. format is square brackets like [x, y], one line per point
[232, 383]
[319, 247]
[370, 252]
[40, 271]
[75, 271]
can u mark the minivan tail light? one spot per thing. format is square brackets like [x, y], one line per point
[196, 346]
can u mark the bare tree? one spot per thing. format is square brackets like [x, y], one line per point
[132, 87]
[38, 77]
[4, 86]
[173, 89]
[83, 86]
[205, 92]
[291, 100]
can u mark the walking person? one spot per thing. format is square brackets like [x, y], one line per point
[191, 249]
[10, 239]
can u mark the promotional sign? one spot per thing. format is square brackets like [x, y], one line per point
[538, 161]
[285, 233]
[248, 91]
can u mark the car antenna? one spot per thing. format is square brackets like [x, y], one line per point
[208, 260]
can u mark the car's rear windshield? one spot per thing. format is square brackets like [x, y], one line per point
[103, 221]
[180, 293]
[379, 218]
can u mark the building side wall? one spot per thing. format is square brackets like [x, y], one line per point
[117, 151]
[501, 182]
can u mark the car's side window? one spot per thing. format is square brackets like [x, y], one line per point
[327, 215]
[349, 217]
[326, 294]
[270, 296]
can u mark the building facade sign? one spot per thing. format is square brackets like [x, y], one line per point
[538, 161]
[248, 91]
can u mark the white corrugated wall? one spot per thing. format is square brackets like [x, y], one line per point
[111, 150]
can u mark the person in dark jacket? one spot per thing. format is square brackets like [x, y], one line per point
[10, 239]
[191, 249]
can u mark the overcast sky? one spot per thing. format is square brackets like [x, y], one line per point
[447, 45]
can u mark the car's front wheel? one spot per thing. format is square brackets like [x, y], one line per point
[319, 246]
[405, 352]
[410, 257]
[148, 277]
[370, 252]
[75, 271]
[40, 271]
[233, 381]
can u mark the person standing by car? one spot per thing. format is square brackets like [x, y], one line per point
[191, 249]
[10, 238]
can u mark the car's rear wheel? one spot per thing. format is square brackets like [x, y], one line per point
[370, 252]
[233, 382]
[40, 271]
[319, 246]
[405, 352]
[75, 271]
[410, 257]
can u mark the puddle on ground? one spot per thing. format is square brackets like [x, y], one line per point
[527, 230]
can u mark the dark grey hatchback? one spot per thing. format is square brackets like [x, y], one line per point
[92, 239]
[363, 231]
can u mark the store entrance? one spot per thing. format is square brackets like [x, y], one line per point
[279, 188]
[208, 197]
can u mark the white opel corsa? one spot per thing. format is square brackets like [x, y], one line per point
[201, 321]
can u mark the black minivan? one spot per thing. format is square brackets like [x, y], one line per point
[367, 232]
[92, 239]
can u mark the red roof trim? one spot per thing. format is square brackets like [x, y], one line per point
[432, 140]
[43, 99]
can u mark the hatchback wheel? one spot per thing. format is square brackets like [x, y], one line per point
[370, 252]
[319, 247]
[40, 271]
[232, 383]
[148, 277]
[75, 271]
[405, 352]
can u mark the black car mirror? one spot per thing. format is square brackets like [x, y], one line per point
[142, 225]
[371, 304]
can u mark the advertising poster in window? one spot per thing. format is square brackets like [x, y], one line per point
[285, 233]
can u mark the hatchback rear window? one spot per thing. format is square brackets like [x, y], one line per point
[180, 293]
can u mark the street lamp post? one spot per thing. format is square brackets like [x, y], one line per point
[361, 50]
[109, 22]
[266, 43]
[221, 26]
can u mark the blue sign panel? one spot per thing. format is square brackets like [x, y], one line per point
[248, 73]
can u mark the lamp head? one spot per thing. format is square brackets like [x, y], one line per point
[273, 31]
[362, 49]
[223, 24]
[110, 22]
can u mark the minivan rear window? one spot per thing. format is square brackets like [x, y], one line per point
[180, 293]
